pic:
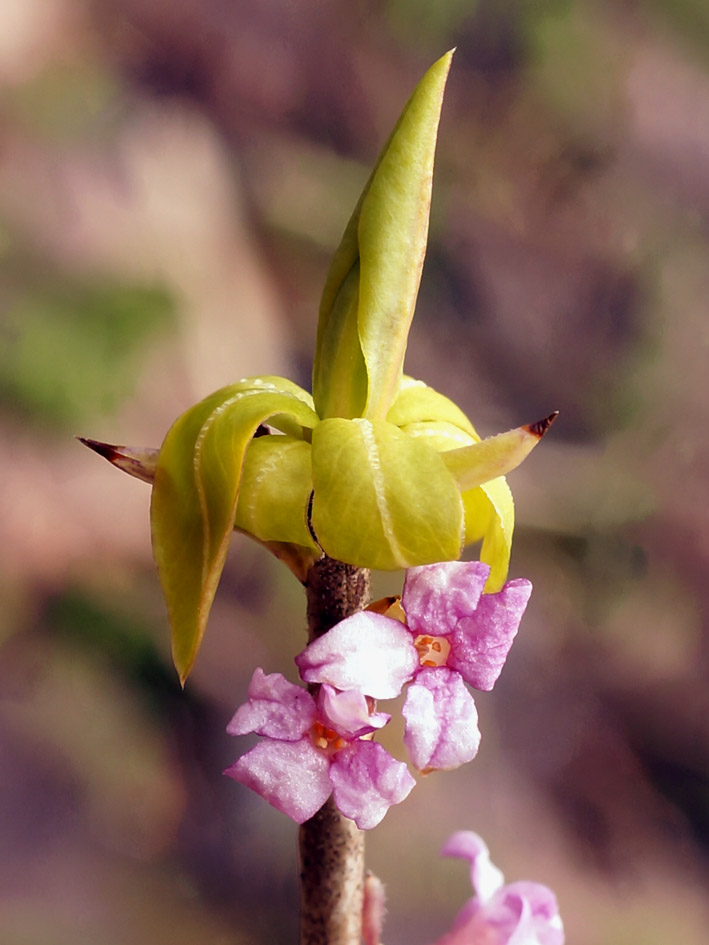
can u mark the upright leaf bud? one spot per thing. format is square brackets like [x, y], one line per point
[370, 292]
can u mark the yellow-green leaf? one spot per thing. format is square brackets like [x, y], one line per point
[490, 516]
[480, 462]
[195, 495]
[375, 273]
[339, 372]
[392, 234]
[416, 402]
[275, 490]
[382, 499]
[489, 509]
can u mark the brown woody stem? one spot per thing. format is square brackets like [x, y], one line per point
[331, 846]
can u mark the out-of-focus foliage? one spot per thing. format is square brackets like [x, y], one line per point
[689, 18]
[70, 349]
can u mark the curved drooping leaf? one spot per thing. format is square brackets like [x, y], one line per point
[276, 483]
[382, 248]
[490, 516]
[382, 499]
[283, 422]
[195, 495]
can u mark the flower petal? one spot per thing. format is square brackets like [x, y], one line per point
[521, 913]
[291, 776]
[480, 643]
[485, 877]
[542, 925]
[437, 596]
[348, 712]
[441, 720]
[366, 781]
[367, 652]
[276, 708]
[476, 924]
[509, 918]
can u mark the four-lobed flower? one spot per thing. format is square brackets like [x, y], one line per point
[520, 913]
[453, 634]
[315, 747]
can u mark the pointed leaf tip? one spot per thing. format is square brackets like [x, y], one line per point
[392, 234]
[139, 462]
[103, 449]
[495, 456]
[539, 428]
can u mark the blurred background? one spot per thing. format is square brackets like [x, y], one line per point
[174, 177]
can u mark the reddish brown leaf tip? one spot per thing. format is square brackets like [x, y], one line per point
[539, 428]
[139, 462]
[103, 449]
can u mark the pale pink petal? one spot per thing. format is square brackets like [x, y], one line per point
[475, 925]
[522, 913]
[348, 712]
[485, 877]
[441, 720]
[367, 652]
[480, 643]
[540, 922]
[366, 781]
[291, 776]
[518, 914]
[541, 899]
[276, 708]
[437, 596]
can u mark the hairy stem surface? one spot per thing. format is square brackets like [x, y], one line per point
[331, 846]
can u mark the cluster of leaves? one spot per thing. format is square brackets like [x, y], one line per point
[375, 469]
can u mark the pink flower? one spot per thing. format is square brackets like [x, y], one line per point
[314, 749]
[521, 913]
[454, 633]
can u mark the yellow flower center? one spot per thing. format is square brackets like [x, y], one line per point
[327, 739]
[432, 651]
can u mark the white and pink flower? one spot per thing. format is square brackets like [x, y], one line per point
[454, 634]
[315, 748]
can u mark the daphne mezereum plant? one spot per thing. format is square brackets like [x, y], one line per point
[374, 470]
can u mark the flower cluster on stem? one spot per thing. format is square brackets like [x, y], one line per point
[444, 635]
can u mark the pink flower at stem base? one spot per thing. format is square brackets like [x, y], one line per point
[454, 633]
[316, 748]
[521, 913]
